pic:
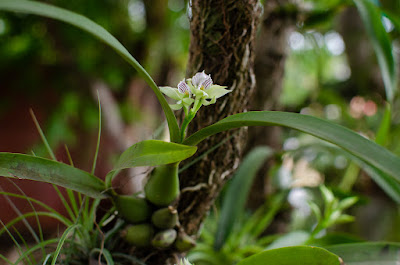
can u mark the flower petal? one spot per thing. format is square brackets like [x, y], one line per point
[217, 91]
[187, 101]
[199, 78]
[183, 87]
[208, 101]
[176, 106]
[198, 93]
[207, 83]
[171, 92]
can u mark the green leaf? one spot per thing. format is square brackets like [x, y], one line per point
[384, 128]
[381, 253]
[362, 148]
[290, 239]
[237, 192]
[41, 169]
[151, 153]
[371, 17]
[61, 242]
[293, 256]
[387, 183]
[85, 24]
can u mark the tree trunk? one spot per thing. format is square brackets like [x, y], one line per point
[222, 44]
[271, 53]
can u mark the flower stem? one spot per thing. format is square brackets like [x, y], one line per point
[185, 124]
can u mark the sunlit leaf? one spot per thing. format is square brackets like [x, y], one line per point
[44, 170]
[357, 145]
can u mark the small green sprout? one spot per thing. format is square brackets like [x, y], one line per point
[333, 210]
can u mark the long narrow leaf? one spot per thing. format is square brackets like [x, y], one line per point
[41, 169]
[35, 248]
[45, 206]
[105, 253]
[382, 253]
[46, 10]
[355, 144]
[371, 17]
[384, 128]
[237, 193]
[61, 242]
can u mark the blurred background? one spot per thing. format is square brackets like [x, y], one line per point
[330, 71]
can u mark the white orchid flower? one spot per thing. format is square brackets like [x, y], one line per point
[199, 90]
[182, 94]
[204, 89]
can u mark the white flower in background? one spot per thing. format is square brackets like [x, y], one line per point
[199, 89]
[184, 262]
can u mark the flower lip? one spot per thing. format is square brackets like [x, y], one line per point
[184, 88]
[202, 81]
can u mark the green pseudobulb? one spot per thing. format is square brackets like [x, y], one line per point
[162, 188]
[164, 238]
[132, 208]
[165, 218]
[139, 235]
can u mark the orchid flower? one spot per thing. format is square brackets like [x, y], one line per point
[204, 89]
[182, 94]
[198, 90]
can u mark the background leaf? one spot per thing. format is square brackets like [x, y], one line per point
[371, 17]
[293, 256]
[368, 253]
[41, 169]
[355, 144]
[46, 10]
[237, 192]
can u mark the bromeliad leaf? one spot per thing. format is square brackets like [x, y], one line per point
[293, 256]
[233, 203]
[357, 145]
[41, 169]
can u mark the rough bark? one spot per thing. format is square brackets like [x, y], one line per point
[271, 53]
[222, 44]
